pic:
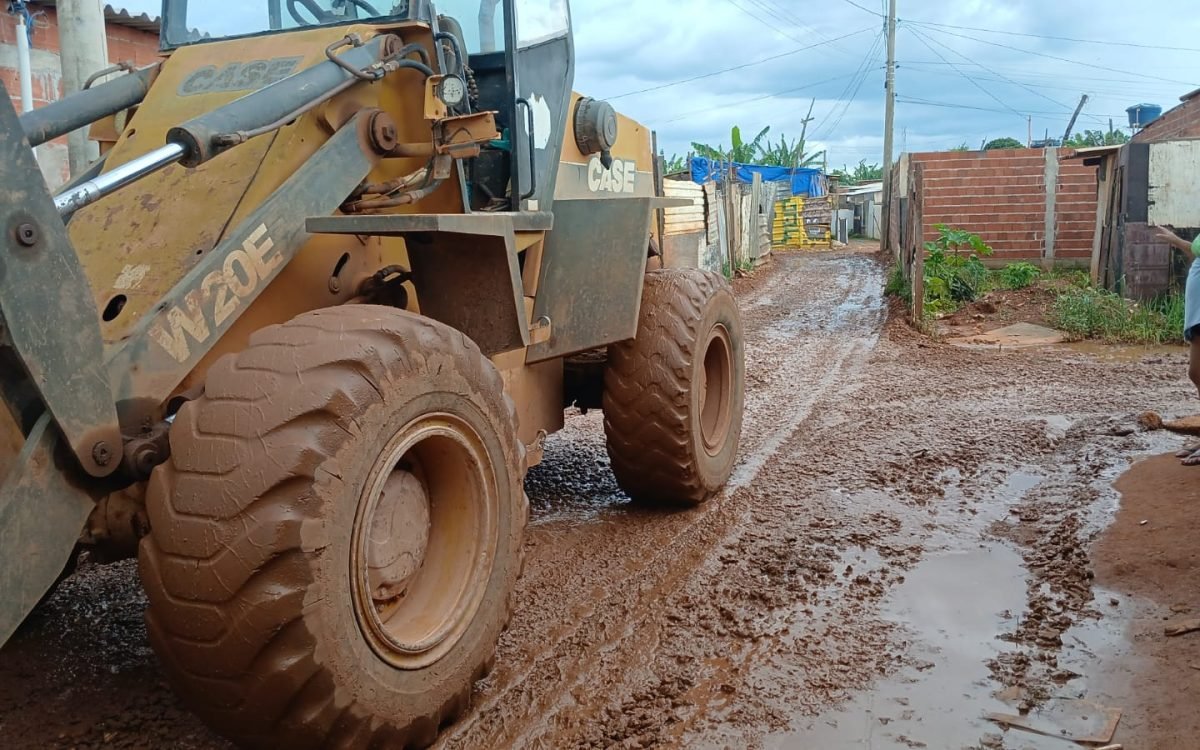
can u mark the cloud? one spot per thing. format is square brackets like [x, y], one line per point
[956, 85]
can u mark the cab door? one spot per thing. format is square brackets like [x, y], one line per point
[544, 69]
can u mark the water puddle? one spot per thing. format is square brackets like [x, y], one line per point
[953, 604]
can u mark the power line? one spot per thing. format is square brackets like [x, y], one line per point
[1077, 89]
[1056, 76]
[1093, 66]
[861, 75]
[743, 66]
[772, 26]
[984, 67]
[952, 105]
[685, 115]
[1106, 43]
[971, 80]
[865, 9]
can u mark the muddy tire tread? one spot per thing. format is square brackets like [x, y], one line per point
[646, 390]
[196, 608]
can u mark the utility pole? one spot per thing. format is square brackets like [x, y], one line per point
[889, 120]
[1082, 101]
[84, 45]
[1029, 138]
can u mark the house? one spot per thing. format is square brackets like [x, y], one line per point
[866, 203]
[131, 38]
[1151, 181]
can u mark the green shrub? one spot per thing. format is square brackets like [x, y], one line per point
[1019, 275]
[953, 271]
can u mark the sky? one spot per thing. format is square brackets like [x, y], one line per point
[967, 70]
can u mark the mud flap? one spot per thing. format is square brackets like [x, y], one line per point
[41, 516]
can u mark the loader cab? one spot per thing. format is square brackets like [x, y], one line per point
[520, 54]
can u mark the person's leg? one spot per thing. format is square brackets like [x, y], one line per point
[1191, 456]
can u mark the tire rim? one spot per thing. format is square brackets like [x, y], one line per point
[424, 540]
[716, 381]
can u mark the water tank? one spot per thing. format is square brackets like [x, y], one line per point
[1141, 115]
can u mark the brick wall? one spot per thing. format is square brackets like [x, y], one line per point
[1181, 122]
[1001, 195]
[124, 45]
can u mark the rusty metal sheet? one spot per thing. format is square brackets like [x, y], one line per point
[46, 304]
[592, 273]
[41, 516]
[166, 345]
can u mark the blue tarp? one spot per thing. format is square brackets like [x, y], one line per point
[809, 182]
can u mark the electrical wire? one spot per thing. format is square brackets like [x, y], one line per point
[852, 88]
[952, 105]
[788, 16]
[1093, 66]
[743, 66]
[864, 9]
[1106, 43]
[978, 64]
[773, 95]
[1106, 92]
[774, 26]
[957, 69]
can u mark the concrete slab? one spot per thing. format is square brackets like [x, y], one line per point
[1017, 336]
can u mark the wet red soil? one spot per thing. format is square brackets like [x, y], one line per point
[906, 545]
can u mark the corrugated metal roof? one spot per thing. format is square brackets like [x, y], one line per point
[870, 187]
[121, 17]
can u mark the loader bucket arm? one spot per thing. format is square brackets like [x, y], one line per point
[48, 315]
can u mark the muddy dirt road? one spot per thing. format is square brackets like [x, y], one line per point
[907, 544]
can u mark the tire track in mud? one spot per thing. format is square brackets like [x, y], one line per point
[814, 321]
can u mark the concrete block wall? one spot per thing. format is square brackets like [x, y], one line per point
[124, 45]
[1003, 197]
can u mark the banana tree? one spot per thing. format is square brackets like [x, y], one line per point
[741, 152]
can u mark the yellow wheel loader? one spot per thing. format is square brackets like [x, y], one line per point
[295, 339]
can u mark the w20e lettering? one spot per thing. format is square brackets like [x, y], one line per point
[207, 307]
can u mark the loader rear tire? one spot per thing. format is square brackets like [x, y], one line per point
[673, 395]
[336, 537]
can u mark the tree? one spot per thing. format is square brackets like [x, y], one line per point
[741, 151]
[674, 164]
[1000, 143]
[862, 173]
[785, 154]
[1090, 138]
[961, 147]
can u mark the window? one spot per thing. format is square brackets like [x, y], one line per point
[482, 22]
[200, 20]
[541, 20]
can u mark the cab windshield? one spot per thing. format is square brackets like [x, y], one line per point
[189, 21]
[482, 22]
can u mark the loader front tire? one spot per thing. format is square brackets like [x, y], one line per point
[336, 537]
[673, 395]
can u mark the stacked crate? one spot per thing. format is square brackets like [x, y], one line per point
[804, 223]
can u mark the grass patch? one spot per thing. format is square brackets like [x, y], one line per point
[1090, 313]
[898, 286]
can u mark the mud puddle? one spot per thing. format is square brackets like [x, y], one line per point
[1124, 353]
[950, 606]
